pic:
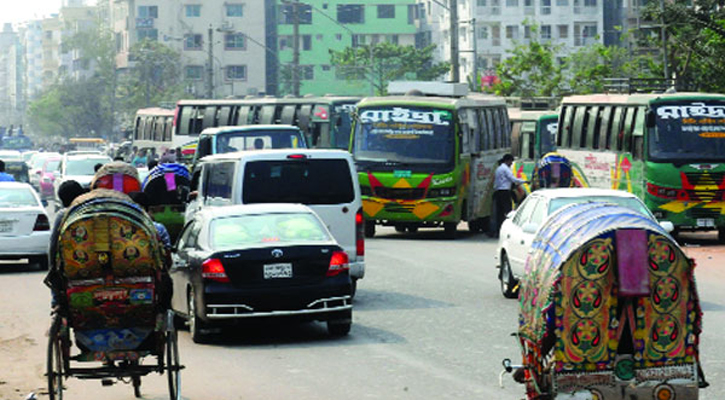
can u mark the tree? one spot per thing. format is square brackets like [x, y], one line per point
[531, 71]
[384, 62]
[588, 68]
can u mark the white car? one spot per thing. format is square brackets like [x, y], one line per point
[520, 227]
[24, 224]
[79, 168]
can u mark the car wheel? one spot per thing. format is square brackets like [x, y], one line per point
[196, 325]
[340, 326]
[369, 229]
[450, 229]
[508, 282]
[41, 261]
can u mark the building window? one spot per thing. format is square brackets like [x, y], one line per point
[235, 10]
[512, 32]
[306, 42]
[545, 7]
[563, 31]
[351, 13]
[194, 72]
[590, 3]
[546, 31]
[394, 39]
[527, 32]
[512, 3]
[307, 72]
[481, 3]
[148, 12]
[193, 41]
[193, 10]
[235, 41]
[236, 72]
[285, 42]
[286, 14]
[150, 34]
[483, 32]
[589, 31]
[386, 11]
[562, 3]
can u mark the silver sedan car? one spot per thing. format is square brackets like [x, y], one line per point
[24, 225]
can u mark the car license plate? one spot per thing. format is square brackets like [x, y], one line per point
[6, 226]
[706, 222]
[280, 270]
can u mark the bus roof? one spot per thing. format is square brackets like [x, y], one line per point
[155, 111]
[433, 101]
[328, 99]
[638, 98]
[87, 140]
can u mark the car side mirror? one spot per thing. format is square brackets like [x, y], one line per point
[530, 227]
[667, 226]
[511, 214]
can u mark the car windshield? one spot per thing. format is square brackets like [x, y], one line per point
[228, 142]
[404, 135]
[17, 197]
[688, 131]
[83, 166]
[52, 165]
[629, 202]
[244, 230]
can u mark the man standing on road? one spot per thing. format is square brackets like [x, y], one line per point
[4, 177]
[502, 184]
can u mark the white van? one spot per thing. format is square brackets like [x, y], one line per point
[324, 180]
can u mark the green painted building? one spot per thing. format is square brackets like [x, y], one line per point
[336, 24]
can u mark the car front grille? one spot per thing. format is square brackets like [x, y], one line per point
[400, 193]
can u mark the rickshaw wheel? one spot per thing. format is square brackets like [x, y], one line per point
[55, 361]
[507, 279]
[172, 365]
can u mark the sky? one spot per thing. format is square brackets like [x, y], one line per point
[17, 11]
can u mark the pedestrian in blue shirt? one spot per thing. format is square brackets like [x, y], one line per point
[3, 176]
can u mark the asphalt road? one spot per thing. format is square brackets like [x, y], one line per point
[429, 323]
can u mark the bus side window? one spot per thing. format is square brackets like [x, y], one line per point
[592, 137]
[628, 127]
[185, 116]
[474, 130]
[615, 142]
[604, 128]
[496, 144]
[563, 138]
[197, 118]
[168, 126]
[516, 139]
[223, 115]
[138, 128]
[147, 133]
[243, 116]
[506, 127]
[209, 117]
[288, 115]
[579, 126]
[527, 147]
[638, 133]
[488, 136]
[159, 129]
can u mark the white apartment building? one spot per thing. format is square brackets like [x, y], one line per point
[235, 29]
[501, 24]
[10, 77]
[73, 19]
[31, 36]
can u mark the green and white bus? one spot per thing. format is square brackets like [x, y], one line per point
[533, 134]
[429, 161]
[668, 149]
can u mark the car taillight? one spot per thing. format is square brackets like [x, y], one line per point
[338, 263]
[214, 270]
[41, 223]
[359, 233]
[297, 156]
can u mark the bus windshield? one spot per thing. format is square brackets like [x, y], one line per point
[689, 131]
[404, 136]
[548, 129]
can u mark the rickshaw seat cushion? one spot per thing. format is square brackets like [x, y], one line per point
[633, 262]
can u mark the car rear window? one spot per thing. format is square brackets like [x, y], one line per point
[303, 181]
[13, 198]
[629, 202]
[244, 230]
[84, 166]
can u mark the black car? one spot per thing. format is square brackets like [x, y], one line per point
[258, 261]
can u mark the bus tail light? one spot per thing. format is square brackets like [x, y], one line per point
[339, 262]
[359, 233]
[213, 269]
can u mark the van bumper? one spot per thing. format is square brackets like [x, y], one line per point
[357, 269]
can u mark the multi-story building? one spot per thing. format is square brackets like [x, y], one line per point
[334, 25]
[31, 36]
[222, 42]
[75, 18]
[52, 29]
[497, 26]
[11, 77]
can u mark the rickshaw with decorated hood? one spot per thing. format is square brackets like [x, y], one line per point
[113, 291]
[167, 187]
[608, 310]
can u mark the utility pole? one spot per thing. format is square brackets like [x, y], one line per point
[296, 48]
[664, 40]
[210, 90]
[455, 77]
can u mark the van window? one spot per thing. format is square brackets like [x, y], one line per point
[298, 181]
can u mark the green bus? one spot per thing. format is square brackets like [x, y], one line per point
[668, 149]
[429, 161]
[533, 134]
[325, 120]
